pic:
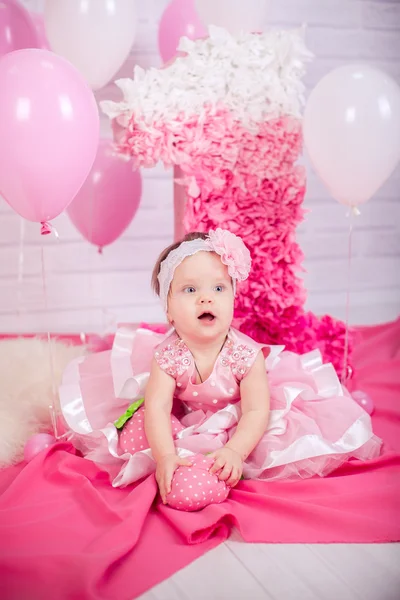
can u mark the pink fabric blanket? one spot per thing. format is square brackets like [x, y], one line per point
[66, 533]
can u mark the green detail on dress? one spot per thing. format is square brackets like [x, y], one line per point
[128, 414]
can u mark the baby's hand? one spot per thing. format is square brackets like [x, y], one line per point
[166, 467]
[228, 465]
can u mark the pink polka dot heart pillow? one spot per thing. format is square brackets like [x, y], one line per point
[194, 487]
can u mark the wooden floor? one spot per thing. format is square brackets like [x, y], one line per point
[239, 571]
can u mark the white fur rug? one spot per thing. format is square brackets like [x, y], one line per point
[26, 390]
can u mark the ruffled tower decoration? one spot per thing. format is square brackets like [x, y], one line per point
[228, 113]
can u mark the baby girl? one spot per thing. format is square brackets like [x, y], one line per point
[196, 282]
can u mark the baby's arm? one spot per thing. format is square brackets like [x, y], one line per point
[254, 395]
[157, 422]
[158, 406]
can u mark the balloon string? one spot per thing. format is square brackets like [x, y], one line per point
[102, 303]
[52, 410]
[20, 264]
[345, 373]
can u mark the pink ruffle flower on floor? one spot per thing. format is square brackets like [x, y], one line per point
[233, 252]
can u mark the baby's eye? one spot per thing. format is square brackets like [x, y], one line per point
[189, 290]
[219, 288]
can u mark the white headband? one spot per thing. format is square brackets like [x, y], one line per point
[229, 246]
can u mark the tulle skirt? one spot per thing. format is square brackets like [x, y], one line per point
[314, 423]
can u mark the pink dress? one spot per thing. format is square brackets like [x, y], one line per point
[314, 424]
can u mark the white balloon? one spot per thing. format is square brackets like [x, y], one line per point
[234, 15]
[352, 131]
[94, 35]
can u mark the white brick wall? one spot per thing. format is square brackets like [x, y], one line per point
[86, 291]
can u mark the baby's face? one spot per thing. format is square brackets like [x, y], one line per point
[200, 302]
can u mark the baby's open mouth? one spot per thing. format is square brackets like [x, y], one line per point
[207, 316]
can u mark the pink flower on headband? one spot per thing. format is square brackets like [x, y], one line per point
[232, 251]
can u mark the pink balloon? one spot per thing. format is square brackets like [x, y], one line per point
[36, 444]
[179, 19]
[109, 198]
[363, 400]
[49, 132]
[17, 29]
